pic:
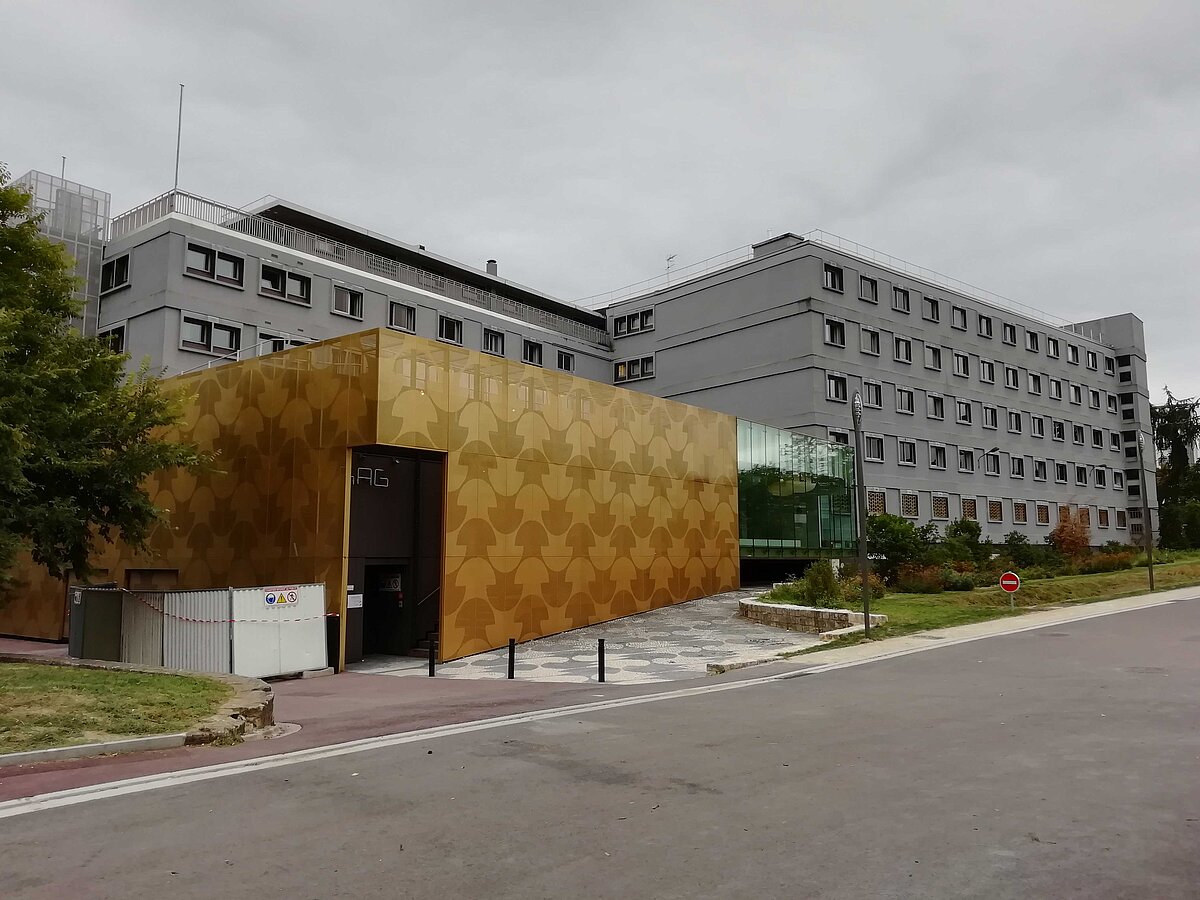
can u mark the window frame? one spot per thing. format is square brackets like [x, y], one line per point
[457, 340]
[352, 295]
[393, 306]
[530, 350]
[117, 263]
[492, 333]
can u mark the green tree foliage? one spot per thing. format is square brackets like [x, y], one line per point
[964, 544]
[77, 436]
[899, 542]
[1176, 432]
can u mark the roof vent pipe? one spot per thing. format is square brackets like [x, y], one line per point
[491, 267]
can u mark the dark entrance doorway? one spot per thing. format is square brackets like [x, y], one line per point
[395, 551]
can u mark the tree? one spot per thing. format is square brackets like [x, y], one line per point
[77, 435]
[1176, 432]
[898, 541]
[1072, 537]
[963, 542]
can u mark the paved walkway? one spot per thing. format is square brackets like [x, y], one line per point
[668, 644]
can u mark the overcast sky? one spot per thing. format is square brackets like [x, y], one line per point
[1045, 151]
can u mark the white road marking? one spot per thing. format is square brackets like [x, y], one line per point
[73, 796]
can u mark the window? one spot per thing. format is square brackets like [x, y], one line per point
[987, 371]
[909, 505]
[1014, 422]
[1091, 360]
[985, 326]
[206, 336]
[1058, 430]
[1081, 478]
[936, 407]
[1052, 347]
[1039, 470]
[633, 369]
[840, 437]
[1114, 441]
[450, 329]
[933, 357]
[403, 317]
[995, 511]
[966, 460]
[969, 510]
[493, 342]
[1098, 438]
[870, 341]
[833, 278]
[1035, 383]
[1112, 403]
[1110, 365]
[1055, 389]
[566, 361]
[962, 365]
[1016, 466]
[940, 507]
[835, 387]
[200, 260]
[900, 300]
[113, 338]
[1072, 354]
[904, 400]
[868, 289]
[1012, 378]
[1060, 473]
[114, 274]
[531, 353]
[873, 394]
[991, 464]
[631, 323]
[347, 302]
[1094, 399]
[872, 448]
[1125, 377]
[906, 452]
[1102, 516]
[1076, 394]
[1037, 426]
[1032, 341]
[229, 268]
[1101, 478]
[931, 309]
[284, 285]
[1009, 333]
[962, 412]
[1020, 512]
[1077, 434]
[1043, 513]
[937, 456]
[835, 332]
[274, 343]
[1120, 518]
[876, 503]
[903, 350]
[990, 417]
[958, 318]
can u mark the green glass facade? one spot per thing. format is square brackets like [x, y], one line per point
[795, 494]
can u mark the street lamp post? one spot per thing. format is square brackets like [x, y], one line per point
[861, 490]
[1147, 531]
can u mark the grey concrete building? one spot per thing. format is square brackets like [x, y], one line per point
[974, 407]
[188, 283]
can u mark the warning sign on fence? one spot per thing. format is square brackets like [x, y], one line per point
[281, 596]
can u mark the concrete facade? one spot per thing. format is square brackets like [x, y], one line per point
[968, 401]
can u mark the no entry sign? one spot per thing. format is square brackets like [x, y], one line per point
[1010, 582]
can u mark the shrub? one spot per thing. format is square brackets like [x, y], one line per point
[852, 585]
[1072, 537]
[1106, 562]
[913, 579]
[1117, 547]
[957, 581]
[820, 587]
[898, 541]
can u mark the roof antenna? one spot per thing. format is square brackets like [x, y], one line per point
[63, 174]
[670, 262]
[178, 136]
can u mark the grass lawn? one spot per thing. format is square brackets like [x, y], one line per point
[921, 612]
[55, 706]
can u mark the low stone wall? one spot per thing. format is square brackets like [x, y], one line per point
[803, 618]
[251, 705]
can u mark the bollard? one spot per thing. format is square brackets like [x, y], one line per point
[432, 655]
[601, 654]
[512, 658]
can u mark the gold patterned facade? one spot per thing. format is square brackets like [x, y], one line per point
[567, 502]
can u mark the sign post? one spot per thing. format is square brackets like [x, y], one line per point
[1010, 583]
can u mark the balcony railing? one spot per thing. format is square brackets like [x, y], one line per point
[193, 207]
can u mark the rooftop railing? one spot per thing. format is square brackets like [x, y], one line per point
[212, 213]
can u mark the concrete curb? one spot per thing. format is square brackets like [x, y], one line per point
[252, 706]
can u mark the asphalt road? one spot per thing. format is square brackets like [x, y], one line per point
[1055, 763]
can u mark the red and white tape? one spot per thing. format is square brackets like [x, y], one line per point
[178, 618]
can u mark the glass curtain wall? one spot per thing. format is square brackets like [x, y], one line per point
[795, 494]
